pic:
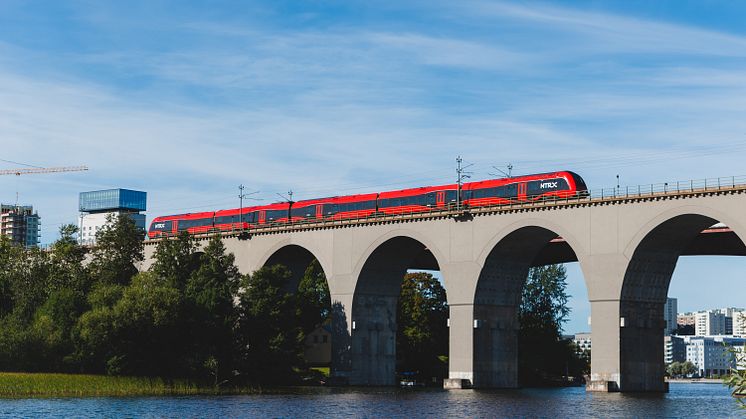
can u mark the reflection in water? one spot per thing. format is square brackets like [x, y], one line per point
[684, 400]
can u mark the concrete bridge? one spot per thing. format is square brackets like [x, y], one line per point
[627, 247]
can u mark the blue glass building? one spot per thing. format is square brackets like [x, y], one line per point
[112, 199]
[97, 208]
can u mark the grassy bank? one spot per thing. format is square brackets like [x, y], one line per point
[47, 385]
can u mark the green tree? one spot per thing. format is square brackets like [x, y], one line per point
[736, 380]
[267, 328]
[422, 333]
[119, 247]
[210, 312]
[176, 260]
[543, 355]
[313, 300]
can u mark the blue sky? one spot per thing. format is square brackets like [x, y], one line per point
[188, 99]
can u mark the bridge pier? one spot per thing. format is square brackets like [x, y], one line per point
[483, 347]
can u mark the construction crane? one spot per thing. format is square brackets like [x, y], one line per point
[37, 170]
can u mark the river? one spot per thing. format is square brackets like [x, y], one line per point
[683, 401]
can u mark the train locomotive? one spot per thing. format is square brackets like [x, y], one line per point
[543, 186]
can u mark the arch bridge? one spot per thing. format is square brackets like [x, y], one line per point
[627, 246]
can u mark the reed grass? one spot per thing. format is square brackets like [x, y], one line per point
[80, 385]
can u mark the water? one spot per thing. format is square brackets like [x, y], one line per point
[684, 400]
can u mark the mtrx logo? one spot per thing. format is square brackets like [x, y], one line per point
[160, 226]
[549, 185]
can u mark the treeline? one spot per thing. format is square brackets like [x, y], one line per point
[191, 315]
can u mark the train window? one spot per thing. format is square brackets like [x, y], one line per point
[508, 191]
[276, 214]
[307, 211]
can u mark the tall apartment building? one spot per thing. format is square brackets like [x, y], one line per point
[20, 224]
[97, 206]
[670, 315]
[710, 322]
[739, 323]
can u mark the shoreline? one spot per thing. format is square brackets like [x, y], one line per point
[695, 380]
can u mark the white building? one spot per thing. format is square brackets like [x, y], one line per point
[739, 323]
[97, 206]
[712, 354]
[670, 310]
[583, 340]
[709, 323]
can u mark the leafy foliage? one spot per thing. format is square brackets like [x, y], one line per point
[544, 357]
[422, 334]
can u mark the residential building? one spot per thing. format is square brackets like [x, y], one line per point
[583, 340]
[674, 349]
[670, 315]
[739, 323]
[318, 351]
[686, 319]
[20, 224]
[730, 313]
[709, 323]
[97, 206]
[712, 355]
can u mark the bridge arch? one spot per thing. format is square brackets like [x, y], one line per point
[296, 256]
[380, 272]
[653, 255]
[505, 262]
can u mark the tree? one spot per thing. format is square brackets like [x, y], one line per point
[176, 260]
[736, 380]
[313, 300]
[267, 328]
[543, 354]
[422, 333]
[119, 247]
[210, 312]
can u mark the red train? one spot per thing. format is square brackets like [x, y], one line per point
[473, 194]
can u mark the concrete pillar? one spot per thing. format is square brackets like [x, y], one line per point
[495, 346]
[627, 347]
[460, 347]
[483, 350]
[373, 339]
[641, 347]
[605, 365]
[341, 368]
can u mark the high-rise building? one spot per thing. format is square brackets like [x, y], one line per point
[710, 322]
[739, 323]
[670, 315]
[97, 206]
[20, 224]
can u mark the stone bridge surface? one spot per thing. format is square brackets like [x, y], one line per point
[627, 249]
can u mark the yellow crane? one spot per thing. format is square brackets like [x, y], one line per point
[36, 170]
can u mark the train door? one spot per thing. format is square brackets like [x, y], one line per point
[320, 211]
[262, 216]
[522, 191]
[440, 199]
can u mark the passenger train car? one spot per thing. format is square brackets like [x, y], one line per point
[406, 201]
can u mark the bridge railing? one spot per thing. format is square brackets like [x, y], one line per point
[601, 194]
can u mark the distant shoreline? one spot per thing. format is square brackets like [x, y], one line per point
[695, 380]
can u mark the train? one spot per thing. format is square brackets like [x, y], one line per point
[542, 186]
